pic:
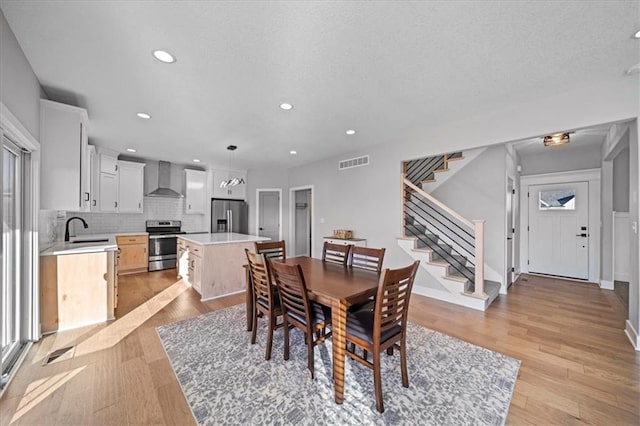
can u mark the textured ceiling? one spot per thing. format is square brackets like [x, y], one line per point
[382, 68]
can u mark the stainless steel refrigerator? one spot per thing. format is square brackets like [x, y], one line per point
[229, 216]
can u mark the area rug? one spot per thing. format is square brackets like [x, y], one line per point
[227, 381]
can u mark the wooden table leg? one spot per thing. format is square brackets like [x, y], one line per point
[338, 329]
[248, 297]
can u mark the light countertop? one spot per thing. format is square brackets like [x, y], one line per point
[221, 238]
[79, 247]
[64, 248]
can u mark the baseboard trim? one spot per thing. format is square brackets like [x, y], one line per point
[606, 285]
[221, 296]
[632, 334]
[445, 296]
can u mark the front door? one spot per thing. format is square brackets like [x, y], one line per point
[559, 229]
[269, 214]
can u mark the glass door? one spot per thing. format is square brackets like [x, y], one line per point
[11, 295]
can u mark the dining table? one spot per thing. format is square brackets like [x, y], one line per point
[338, 287]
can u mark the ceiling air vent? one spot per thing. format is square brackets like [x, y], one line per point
[353, 162]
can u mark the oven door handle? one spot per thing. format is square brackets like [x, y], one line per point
[155, 237]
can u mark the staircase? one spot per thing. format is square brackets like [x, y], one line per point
[449, 246]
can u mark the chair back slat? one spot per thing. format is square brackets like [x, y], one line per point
[262, 286]
[392, 299]
[336, 253]
[292, 289]
[272, 250]
[367, 258]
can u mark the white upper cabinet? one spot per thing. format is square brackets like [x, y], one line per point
[237, 192]
[130, 186]
[108, 194]
[195, 201]
[64, 171]
[106, 174]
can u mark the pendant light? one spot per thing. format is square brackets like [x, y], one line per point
[231, 181]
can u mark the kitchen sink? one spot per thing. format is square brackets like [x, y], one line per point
[102, 240]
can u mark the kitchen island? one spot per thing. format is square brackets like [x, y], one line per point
[213, 263]
[78, 283]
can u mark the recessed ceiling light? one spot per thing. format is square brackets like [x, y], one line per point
[637, 34]
[293, 152]
[143, 115]
[286, 106]
[195, 160]
[131, 150]
[350, 132]
[634, 69]
[164, 56]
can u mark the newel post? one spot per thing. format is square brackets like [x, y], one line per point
[478, 226]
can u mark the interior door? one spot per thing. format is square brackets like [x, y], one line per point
[559, 229]
[269, 216]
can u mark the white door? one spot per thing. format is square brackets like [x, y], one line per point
[269, 214]
[559, 229]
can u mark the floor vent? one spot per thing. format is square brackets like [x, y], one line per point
[61, 354]
[353, 162]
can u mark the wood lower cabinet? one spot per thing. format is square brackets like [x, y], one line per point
[77, 290]
[134, 253]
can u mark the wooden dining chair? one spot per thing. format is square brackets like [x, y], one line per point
[273, 250]
[336, 253]
[367, 258]
[298, 311]
[265, 299]
[383, 328]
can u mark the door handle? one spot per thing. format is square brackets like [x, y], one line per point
[262, 229]
[582, 235]
[509, 238]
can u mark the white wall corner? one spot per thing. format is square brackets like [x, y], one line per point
[632, 334]
[606, 285]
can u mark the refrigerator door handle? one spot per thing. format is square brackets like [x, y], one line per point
[230, 229]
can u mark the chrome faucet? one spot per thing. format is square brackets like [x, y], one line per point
[66, 228]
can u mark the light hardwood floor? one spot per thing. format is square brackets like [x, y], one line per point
[577, 364]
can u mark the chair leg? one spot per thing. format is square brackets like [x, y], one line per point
[310, 356]
[286, 340]
[377, 381]
[254, 326]
[272, 324]
[403, 364]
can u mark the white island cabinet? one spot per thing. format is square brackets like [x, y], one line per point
[214, 263]
[64, 170]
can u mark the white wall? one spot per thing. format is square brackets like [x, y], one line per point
[561, 160]
[20, 89]
[367, 199]
[478, 192]
[621, 181]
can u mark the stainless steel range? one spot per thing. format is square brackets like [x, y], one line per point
[163, 243]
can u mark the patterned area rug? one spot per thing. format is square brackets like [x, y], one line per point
[227, 381]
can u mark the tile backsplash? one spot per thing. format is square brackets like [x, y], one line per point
[52, 222]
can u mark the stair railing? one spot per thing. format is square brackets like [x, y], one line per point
[475, 227]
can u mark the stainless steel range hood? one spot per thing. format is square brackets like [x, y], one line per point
[164, 182]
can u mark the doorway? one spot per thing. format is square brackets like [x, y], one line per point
[269, 213]
[559, 229]
[301, 210]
